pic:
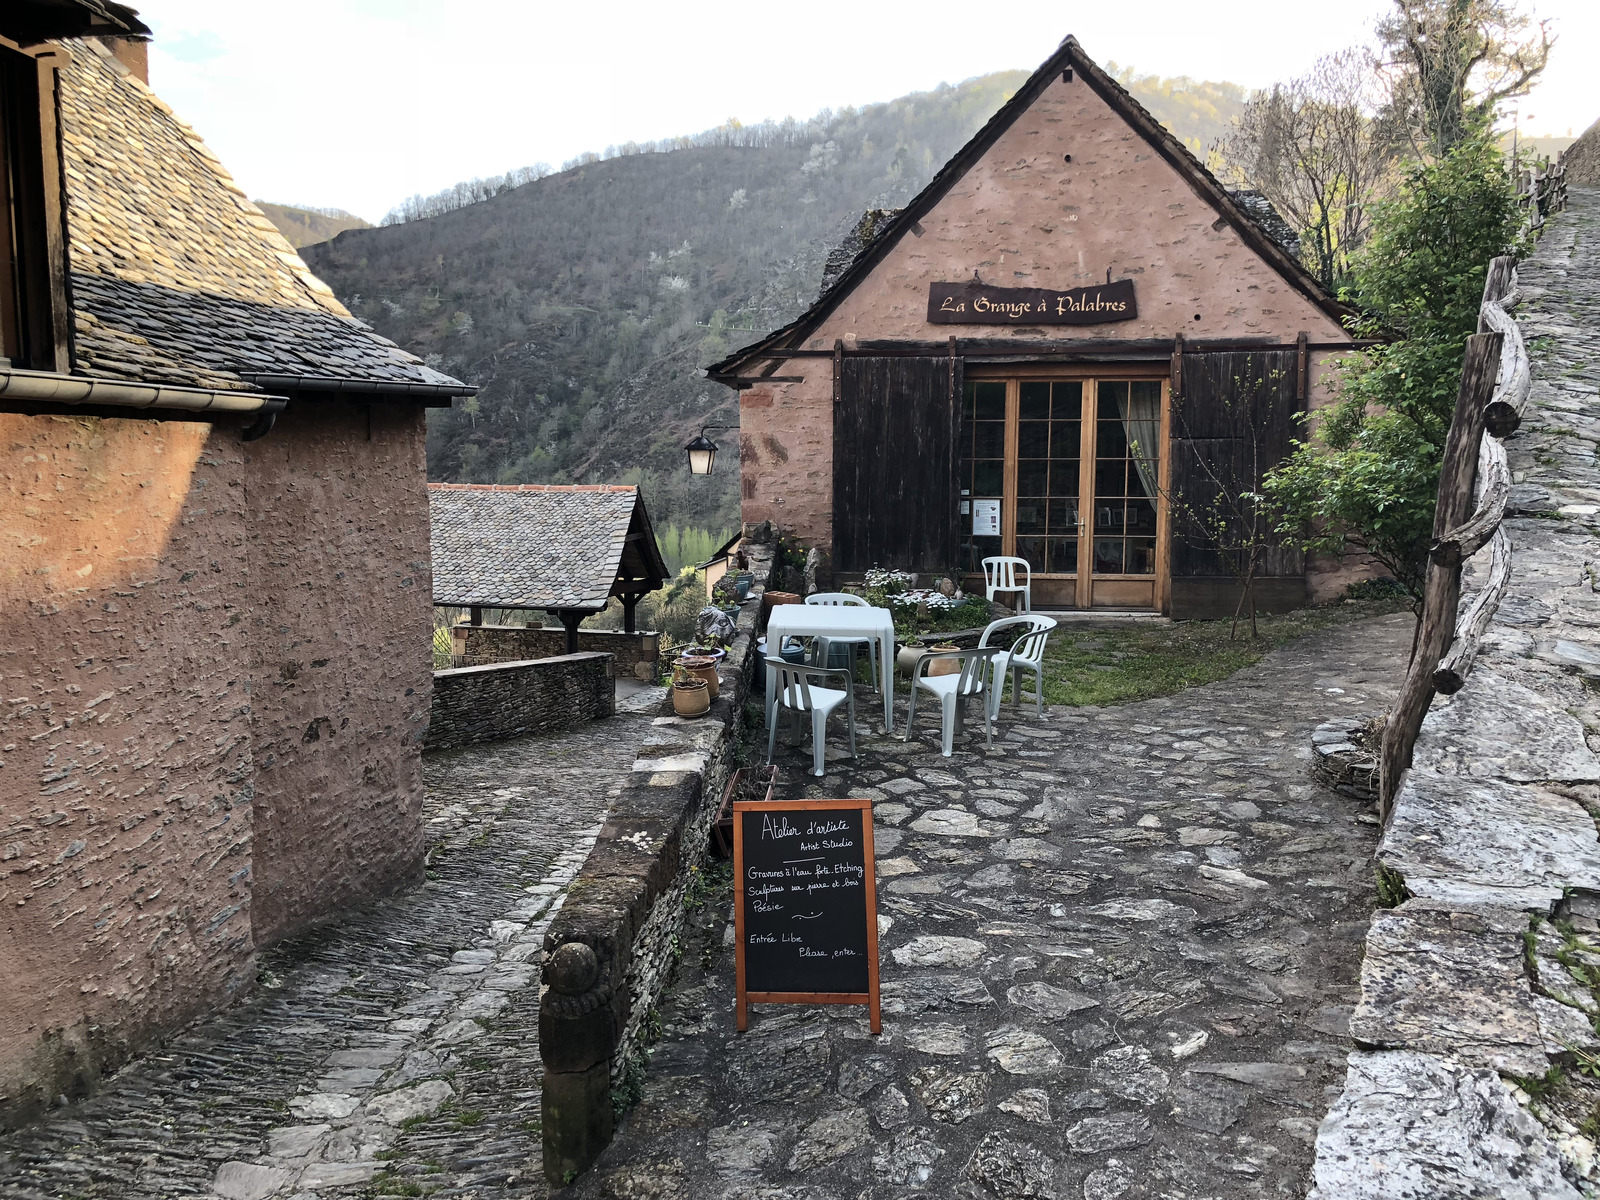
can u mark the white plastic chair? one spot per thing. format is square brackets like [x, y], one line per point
[839, 600]
[1026, 654]
[954, 690]
[1000, 575]
[796, 692]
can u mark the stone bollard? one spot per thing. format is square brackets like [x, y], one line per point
[580, 1020]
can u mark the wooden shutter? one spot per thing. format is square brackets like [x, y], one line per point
[894, 466]
[1223, 395]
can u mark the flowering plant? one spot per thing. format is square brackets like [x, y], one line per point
[890, 583]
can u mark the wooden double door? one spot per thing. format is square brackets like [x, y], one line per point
[1068, 473]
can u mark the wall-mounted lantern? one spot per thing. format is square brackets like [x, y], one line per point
[702, 451]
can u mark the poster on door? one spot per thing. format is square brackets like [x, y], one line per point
[986, 518]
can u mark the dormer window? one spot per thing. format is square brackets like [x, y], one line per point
[33, 311]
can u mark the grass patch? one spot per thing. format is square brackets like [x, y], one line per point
[1121, 664]
[1392, 890]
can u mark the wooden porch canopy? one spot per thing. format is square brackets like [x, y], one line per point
[564, 549]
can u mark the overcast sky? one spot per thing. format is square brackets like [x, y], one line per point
[357, 104]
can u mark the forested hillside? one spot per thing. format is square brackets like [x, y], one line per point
[585, 303]
[305, 226]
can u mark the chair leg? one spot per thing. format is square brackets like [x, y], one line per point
[947, 705]
[872, 664]
[850, 716]
[1016, 688]
[772, 734]
[1038, 688]
[911, 711]
[819, 740]
[988, 724]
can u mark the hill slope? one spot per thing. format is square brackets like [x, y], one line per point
[586, 302]
[307, 226]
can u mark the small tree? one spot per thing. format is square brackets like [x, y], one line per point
[1236, 519]
[1366, 479]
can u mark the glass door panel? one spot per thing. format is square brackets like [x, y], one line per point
[1049, 449]
[1126, 461]
[983, 464]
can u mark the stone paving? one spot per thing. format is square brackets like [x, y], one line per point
[1120, 950]
[397, 1047]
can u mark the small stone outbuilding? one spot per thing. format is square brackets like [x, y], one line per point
[214, 576]
[565, 549]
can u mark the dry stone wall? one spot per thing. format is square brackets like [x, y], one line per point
[610, 952]
[1477, 981]
[514, 699]
[637, 654]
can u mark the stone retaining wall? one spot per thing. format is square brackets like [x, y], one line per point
[508, 700]
[1465, 987]
[637, 654]
[609, 954]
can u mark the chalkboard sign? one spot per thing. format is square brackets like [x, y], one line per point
[805, 904]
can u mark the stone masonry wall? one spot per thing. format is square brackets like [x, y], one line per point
[125, 743]
[638, 655]
[342, 615]
[215, 684]
[1478, 980]
[508, 700]
[611, 951]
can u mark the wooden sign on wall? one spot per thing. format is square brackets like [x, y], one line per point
[974, 303]
[805, 904]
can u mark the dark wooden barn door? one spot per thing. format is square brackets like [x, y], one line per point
[894, 466]
[1233, 419]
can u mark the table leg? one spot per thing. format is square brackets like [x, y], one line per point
[886, 644]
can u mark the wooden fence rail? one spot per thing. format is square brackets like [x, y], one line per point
[1495, 382]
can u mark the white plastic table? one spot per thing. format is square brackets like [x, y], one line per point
[835, 621]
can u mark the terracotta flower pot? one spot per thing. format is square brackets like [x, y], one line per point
[944, 666]
[702, 667]
[691, 698]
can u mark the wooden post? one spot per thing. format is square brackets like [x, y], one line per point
[629, 604]
[476, 617]
[1442, 589]
[1302, 368]
[570, 620]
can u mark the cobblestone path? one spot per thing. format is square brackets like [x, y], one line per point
[397, 1046]
[1120, 951]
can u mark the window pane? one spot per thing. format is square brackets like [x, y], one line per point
[1033, 439]
[1032, 549]
[1110, 478]
[980, 549]
[1108, 555]
[1064, 480]
[1033, 401]
[1111, 396]
[1112, 440]
[1031, 476]
[1061, 556]
[1141, 518]
[1107, 516]
[1030, 516]
[1141, 558]
[1066, 440]
[1068, 400]
[987, 478]
[989, 439]
[988, 401]
[1063, 516]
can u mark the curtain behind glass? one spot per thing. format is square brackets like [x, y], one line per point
[1141, 421]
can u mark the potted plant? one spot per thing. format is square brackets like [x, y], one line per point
[702, 666]
[690, 695]
[725, 595]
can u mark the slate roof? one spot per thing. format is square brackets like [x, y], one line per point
[176, 277]
[876, 235]
[536, 545]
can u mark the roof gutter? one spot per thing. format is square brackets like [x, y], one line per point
[367, 387]
[115, 393]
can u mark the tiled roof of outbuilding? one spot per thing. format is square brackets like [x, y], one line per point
[535, 545]
[176, 277]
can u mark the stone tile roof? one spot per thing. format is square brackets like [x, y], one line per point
[528, 545]
[176, 277]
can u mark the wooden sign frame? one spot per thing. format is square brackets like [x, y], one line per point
[869, 883]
